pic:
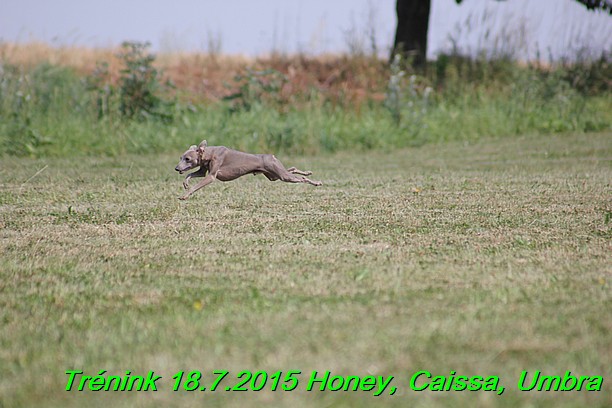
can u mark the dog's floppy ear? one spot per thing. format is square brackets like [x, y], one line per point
[193, 147]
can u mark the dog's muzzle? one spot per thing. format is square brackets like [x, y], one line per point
[179, 170]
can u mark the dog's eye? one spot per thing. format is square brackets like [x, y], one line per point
[187, 159]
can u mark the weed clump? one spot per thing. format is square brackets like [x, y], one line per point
[139, 86]
[138, 93]
[254, 89]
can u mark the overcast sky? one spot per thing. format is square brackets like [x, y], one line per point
[313, 26]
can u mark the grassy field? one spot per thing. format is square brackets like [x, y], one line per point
[486, 258]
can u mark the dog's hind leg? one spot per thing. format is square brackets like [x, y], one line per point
[274, 166]
[293, 170]
[309, 181]
[270, 176]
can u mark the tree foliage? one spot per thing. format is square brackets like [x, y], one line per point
[413, 24]
[605, 5]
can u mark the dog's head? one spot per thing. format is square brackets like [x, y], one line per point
[192, 158]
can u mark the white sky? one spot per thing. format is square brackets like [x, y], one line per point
[313, 26]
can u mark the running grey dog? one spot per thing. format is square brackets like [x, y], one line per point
[224, 164]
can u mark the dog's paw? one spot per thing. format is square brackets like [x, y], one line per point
[183, 197]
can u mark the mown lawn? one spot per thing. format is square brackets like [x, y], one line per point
[487, 258]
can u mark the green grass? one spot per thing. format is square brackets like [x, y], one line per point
[50, 111]
[486, 258]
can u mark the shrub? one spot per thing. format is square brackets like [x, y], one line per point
[139, 85]
[255, 88]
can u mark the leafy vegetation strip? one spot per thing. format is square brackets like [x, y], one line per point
[85, 102]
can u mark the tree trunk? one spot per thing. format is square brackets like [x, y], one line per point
[411, 33]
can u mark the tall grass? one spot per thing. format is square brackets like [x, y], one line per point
[295, 105]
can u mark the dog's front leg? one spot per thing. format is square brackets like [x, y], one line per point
[200, 173]
[206, 181]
